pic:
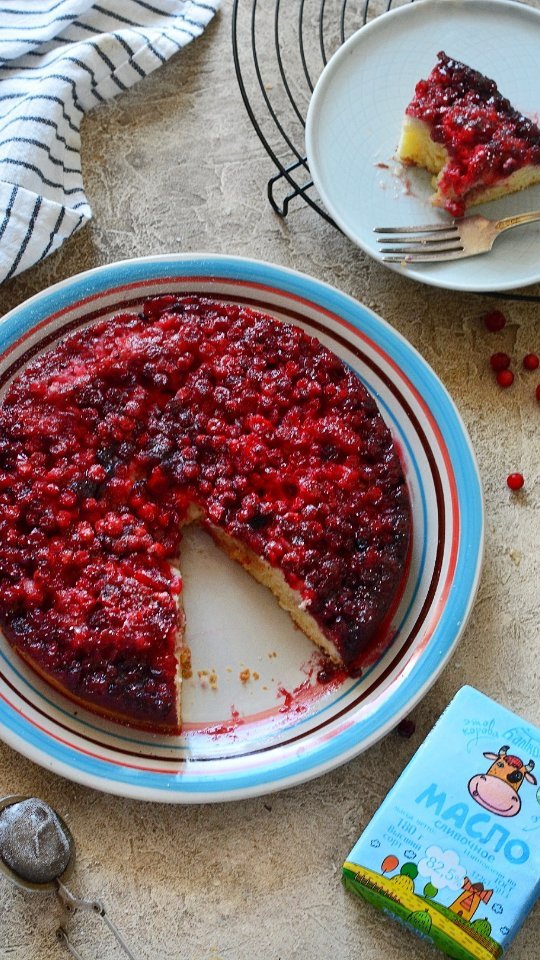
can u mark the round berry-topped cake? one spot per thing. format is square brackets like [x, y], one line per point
[190, 411]
[460, 128]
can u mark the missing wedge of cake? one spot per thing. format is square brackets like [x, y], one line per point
[460, 128]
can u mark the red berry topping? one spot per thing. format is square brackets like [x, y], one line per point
[484, 137]
[109, 438]
[531, 361]
[499, 361]
[515, 481]
[494, 321]
[505, 378]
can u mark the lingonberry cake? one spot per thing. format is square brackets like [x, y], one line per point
[460, 128]
[191, 410]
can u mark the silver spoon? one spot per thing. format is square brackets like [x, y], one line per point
[37, 852]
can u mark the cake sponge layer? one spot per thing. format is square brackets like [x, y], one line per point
[463, 131]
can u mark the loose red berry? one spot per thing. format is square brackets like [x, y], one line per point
[494, 321]
[499, 361]
[406, 728]
[515, 481]
[531, 361]
[505, 378]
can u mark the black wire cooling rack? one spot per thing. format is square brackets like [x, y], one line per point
[280, 48]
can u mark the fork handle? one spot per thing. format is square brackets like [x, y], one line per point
[508, 222]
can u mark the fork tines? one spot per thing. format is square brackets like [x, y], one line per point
[422, 243]
[420, 228]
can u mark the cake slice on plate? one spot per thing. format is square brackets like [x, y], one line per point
[460, 128]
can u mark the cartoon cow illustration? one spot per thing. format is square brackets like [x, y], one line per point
[497, 789]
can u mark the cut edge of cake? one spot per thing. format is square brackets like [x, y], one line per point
[416, 148]
[271, 577]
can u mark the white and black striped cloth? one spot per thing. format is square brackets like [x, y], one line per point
[58, 59]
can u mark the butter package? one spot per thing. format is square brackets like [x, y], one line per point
[454, 849]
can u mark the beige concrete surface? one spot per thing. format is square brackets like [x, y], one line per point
[174, 165]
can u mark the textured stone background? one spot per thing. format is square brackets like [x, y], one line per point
[174, 165]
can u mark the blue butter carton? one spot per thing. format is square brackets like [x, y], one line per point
[454, 850]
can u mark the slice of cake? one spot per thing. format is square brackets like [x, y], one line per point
[460, 128]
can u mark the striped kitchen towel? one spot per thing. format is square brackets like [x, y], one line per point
[58, 59]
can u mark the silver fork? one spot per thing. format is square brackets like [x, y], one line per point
[433, 242]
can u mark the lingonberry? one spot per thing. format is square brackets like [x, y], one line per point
[505, 378]
[515, 481]
[531, 361]
[494, 321]
[406, 728]
[499, 361]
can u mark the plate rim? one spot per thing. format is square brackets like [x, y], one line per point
[320, 293]
[344, 51]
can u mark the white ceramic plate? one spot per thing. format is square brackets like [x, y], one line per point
[285, 725]
[354, 122]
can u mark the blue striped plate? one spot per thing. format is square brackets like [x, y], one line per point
[259, 713]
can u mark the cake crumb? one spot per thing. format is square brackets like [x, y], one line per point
[256, 675]
[245, 675]
[185, 663]
[208, 678]
[273, 655]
